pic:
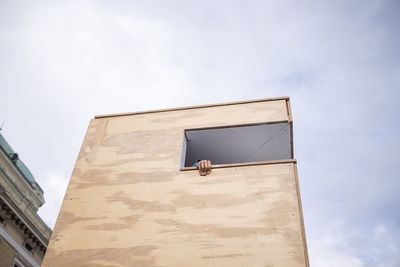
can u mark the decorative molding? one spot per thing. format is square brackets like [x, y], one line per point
[29, 227]
[18, 248]
[15, 186]
[19, 182]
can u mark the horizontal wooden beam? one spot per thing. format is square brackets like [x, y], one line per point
[192, 107]
[244, 164]
[235, 125]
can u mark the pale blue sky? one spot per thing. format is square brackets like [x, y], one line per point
[62, 62]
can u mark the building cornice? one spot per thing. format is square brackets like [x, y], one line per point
[25, 225]
[21, 251]
[15, 177]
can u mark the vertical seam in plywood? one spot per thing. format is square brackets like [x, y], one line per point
[303, 232]
[183, 150]
[290, 121]
[288, 110]
[291, 139]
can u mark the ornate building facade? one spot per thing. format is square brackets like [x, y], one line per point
[23, 234]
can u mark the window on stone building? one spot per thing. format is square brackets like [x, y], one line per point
[18, 263]
[28, 247]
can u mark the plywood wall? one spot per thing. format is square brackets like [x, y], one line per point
[129, 204]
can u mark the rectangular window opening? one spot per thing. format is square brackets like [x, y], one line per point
[28, 247]
[238, 144]
[18, 263]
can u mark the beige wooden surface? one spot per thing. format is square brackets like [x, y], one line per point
[128, 203]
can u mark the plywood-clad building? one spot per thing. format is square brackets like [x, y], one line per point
[135, 199]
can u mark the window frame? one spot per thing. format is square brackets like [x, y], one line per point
[18, 263]
[229, 165]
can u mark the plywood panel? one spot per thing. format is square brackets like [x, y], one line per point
[128, 203]
[270, 111]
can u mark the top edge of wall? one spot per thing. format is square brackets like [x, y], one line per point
[193, 107]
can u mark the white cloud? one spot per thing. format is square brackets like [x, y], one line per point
[339, 244]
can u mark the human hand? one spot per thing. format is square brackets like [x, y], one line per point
[204, 167]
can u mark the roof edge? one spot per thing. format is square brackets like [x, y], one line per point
[192, 107]
[19, 165]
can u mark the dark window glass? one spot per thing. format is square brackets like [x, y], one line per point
[238, 144]
[28, 247]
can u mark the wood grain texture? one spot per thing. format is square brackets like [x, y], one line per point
[129, 204]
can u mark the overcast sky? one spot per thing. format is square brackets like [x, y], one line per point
[62, 62]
